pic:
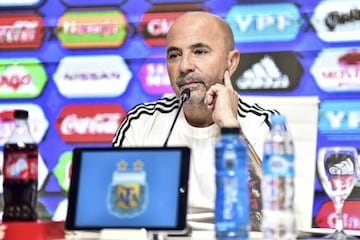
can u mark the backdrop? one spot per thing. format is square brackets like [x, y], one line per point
[78, 66]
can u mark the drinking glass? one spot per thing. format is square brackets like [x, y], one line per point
[338, 172]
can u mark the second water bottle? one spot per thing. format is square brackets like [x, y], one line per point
[278, 182]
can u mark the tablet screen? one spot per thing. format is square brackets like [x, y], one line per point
[128, 188]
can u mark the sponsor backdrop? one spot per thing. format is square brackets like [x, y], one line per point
[78, 66]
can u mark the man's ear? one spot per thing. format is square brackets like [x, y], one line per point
[233, 60]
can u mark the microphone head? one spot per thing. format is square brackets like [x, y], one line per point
[185, 95]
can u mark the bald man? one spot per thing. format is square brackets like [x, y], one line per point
[200, 56]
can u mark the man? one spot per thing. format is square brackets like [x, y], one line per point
[201, 57]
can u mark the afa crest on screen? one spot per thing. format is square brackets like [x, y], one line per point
[127, 194]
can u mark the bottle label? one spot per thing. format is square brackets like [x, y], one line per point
[20, 164]
[232, 203]
[278, 165]
[277, 193]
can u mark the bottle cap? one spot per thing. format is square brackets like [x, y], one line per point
[21, 114]
[230, 130]
[278, 119]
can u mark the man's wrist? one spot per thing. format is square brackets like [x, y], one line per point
[229, 124]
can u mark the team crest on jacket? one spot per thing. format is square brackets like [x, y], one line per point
[127, 194]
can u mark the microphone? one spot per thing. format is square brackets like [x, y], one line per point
[184, 96]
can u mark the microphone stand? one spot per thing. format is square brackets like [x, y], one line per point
[184, 96]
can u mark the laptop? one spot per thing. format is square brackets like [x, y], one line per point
[128, 188]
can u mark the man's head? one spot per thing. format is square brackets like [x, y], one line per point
[200, 48]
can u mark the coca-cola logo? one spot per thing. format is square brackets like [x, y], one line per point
[89, 123]
[21, 31]
[42, 172]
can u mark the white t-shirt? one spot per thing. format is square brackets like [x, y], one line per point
[148, 124]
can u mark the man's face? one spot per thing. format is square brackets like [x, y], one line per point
[196, 57]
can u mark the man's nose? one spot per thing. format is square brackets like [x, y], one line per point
[187, 63]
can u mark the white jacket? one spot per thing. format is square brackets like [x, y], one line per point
[148, 124]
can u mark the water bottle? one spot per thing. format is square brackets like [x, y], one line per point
[232, 219]
[20, 170]
[278, 182]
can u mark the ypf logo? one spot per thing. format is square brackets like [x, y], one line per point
[337, 21]
[337, 70]
[339, 120]
[264, 22]
[89, 123]
[156, 22]
[21, 78]
[154, 77]
[37, 121]
[267, 72]
[21, 31]
[93, 29]
[92, 76]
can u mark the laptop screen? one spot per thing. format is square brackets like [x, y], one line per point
[128, 188]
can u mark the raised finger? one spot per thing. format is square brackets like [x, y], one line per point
[227, 80]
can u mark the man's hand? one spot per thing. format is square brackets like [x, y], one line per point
[222, 100]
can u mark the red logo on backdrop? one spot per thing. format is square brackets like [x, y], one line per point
[21, 31]
[325, 218]
[154, 77]
[155, 23]
[7, 115]
[351, 58]
[89, 123]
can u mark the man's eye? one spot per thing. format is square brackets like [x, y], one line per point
[172, 55]
[200, 51]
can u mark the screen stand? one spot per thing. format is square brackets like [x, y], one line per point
[124, 234]
[157, 236]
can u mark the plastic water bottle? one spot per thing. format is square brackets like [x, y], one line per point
[278, 182]
[232, 198]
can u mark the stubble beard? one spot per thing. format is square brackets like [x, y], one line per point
[197, 97]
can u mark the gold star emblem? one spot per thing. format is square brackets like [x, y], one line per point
[122, 165]
[138, 165]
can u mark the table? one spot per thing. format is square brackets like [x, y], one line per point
[196, 235]
[55, 231]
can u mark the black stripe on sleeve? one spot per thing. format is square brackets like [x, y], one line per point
[245, 108]
[163, 105]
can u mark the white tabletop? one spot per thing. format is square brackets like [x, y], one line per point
[196, 235]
